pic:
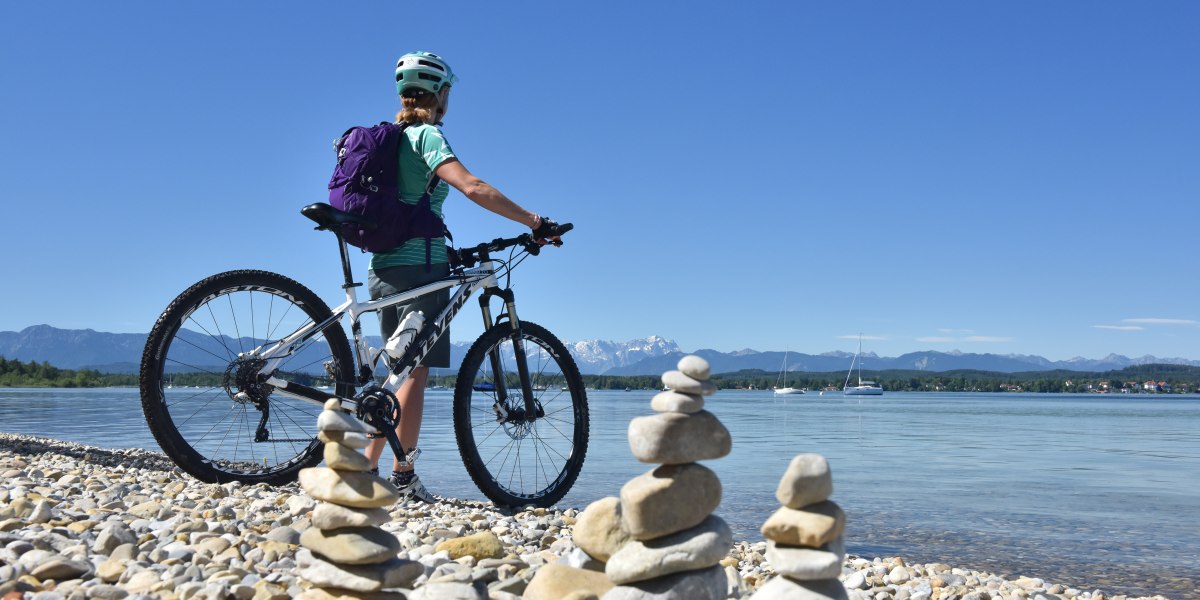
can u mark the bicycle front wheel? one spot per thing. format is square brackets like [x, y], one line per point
[517, 458]
[201, 392]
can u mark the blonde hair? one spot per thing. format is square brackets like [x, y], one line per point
[418, 109]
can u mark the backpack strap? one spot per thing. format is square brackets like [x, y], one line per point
[425, 202]
[434, 180]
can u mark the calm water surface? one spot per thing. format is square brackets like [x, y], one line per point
[1091, 491]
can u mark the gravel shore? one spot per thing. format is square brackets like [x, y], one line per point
[84, 522]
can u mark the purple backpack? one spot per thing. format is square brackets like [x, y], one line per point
[366, 182]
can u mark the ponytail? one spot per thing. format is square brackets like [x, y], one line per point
[421, 108]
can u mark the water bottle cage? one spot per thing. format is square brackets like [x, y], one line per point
[400, 344]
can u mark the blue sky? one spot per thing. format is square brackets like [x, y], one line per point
[1017, 177]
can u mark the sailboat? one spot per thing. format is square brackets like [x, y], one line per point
[779, 390]
[864, 388]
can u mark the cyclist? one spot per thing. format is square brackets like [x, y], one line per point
[423, 81]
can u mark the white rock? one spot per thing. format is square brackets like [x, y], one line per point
[678, 438]
[350, 439]
[330, 420]
[332, 516]
[701, 546]
[347, 488]
[352, 545]
[683, 384]
[693, 366]
[345, 458]
[392, 573]
[806, 481]
[856, 581]
[672, 401]
[807, 564]
[898, 575]
[579, 559]
[41, 513]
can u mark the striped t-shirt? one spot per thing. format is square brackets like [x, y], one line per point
[421, 151]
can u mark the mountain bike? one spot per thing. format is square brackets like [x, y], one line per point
[238, 367]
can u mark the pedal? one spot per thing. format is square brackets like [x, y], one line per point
[411, 458]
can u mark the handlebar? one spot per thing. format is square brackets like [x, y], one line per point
[472, 255]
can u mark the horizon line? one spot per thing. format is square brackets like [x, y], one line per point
[747, 349]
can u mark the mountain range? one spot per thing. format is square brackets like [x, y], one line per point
[121, 353]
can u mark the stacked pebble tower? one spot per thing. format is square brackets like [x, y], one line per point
[805, 545]
[670, 543]
[345, 554]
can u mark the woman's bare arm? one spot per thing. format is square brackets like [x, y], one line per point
[480, 192]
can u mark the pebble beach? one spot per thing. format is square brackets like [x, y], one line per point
[83, 522]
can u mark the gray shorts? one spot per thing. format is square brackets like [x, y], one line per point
[390, 280]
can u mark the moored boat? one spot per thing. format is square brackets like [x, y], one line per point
[864, 387]
[780, 389]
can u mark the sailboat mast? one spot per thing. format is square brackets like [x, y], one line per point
[859, 362]
[852, 361]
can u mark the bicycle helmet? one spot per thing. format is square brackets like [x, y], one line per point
[423, 71]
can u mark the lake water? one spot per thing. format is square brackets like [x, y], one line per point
[1085, 490]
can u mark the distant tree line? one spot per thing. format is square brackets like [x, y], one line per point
[1165, 379]
[14, 373]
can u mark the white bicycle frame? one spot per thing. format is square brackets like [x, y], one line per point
[378, 406]
[469, 280]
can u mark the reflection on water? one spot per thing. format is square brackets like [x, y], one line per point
[1084, 490]
[107, 417]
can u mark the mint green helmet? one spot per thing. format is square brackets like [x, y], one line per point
[423, 71]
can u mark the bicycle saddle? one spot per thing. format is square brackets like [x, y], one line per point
[327, 217]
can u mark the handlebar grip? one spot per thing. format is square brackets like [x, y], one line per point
[563, 228]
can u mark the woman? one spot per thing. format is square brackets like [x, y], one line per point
[423, 81]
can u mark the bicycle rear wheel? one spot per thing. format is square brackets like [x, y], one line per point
[519, 461]
[202, 397]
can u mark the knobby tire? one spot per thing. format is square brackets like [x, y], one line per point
[203, 424]
[516, 462]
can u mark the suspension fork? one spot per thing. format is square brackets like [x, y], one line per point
[526, 382]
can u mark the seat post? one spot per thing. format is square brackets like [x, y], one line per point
[347, 272]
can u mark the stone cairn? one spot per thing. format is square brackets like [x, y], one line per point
[805, 544]
[660, 539]
[345, 554]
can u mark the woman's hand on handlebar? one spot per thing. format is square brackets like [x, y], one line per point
[548, 232]
[471, 255]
